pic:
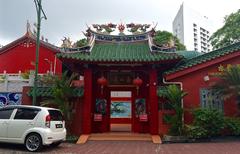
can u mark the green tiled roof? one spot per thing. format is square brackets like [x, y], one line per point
[47, 92]
[206, 57]
[120, 52]
[189, 54]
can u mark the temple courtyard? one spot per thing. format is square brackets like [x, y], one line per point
[134, 147]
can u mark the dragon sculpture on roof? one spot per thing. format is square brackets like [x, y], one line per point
[105, 28]
[137, 28]
[66, 43]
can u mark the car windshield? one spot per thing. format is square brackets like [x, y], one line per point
[55, 115]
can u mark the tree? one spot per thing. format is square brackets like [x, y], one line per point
[229, 33]
[62, 95]
[81, 42]
[174, 95]
[228, 83]
[164, 38]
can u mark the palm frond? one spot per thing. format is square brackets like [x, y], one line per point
[228, 83]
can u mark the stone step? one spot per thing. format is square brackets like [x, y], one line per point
[156, 139]
[83, 139]
[120, 137]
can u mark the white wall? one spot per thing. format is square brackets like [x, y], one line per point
[186, 17]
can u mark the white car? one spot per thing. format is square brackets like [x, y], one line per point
[32, 126]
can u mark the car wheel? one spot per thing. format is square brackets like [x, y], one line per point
[33, 142]
[56, 144]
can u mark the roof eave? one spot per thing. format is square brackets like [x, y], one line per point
[25, 37]
[184, 71]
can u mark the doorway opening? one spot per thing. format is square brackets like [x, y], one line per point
[121, 111]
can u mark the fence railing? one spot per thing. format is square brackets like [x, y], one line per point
[14, 82]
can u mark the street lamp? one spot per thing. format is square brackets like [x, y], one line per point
[50, 63]
[39, 18]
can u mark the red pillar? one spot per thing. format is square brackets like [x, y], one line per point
[26, 100]
[76, 127]
[87, 103]
[153, 100]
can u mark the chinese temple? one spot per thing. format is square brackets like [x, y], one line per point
[121, 76]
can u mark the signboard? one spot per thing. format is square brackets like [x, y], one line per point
[143, 117]
[121, 94]
[121, 78]
[97, 117]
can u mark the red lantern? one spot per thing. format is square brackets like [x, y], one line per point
[137, 82]
[103, 82]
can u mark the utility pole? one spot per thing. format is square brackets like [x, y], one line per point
[39, 18]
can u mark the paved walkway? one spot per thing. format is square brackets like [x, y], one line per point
[133, 147]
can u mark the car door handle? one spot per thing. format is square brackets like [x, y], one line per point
[5, 123]
[30, 124]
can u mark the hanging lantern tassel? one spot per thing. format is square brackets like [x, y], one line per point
[137, 82]
[102, 89]
[103, 82]
[137, 89]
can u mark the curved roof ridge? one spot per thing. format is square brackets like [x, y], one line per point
[122, 52]
[99, 33]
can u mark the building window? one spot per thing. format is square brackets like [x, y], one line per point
[202, 29]
[209, 99]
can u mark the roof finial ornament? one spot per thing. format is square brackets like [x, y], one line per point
[121, 28]
[28, 28]
[66, 43]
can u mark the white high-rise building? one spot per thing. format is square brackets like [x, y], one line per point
[192, 29]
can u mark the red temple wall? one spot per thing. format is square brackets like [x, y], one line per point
[194, 81]
[19, 58]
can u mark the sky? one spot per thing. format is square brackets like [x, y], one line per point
[70, 17]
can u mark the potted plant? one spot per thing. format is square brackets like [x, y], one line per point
[173, 94]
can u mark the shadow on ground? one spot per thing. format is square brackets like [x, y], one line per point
[13, 148]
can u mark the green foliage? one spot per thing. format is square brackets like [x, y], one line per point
[229, 33]
[72, 138]
[47, 79]
[81, 42]
[207, 123]
[174, 96]
[164, 38]
[62, 94]
[25, 75]
[232, 125]
[229, 82]
[2, 78]
[196, 132]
